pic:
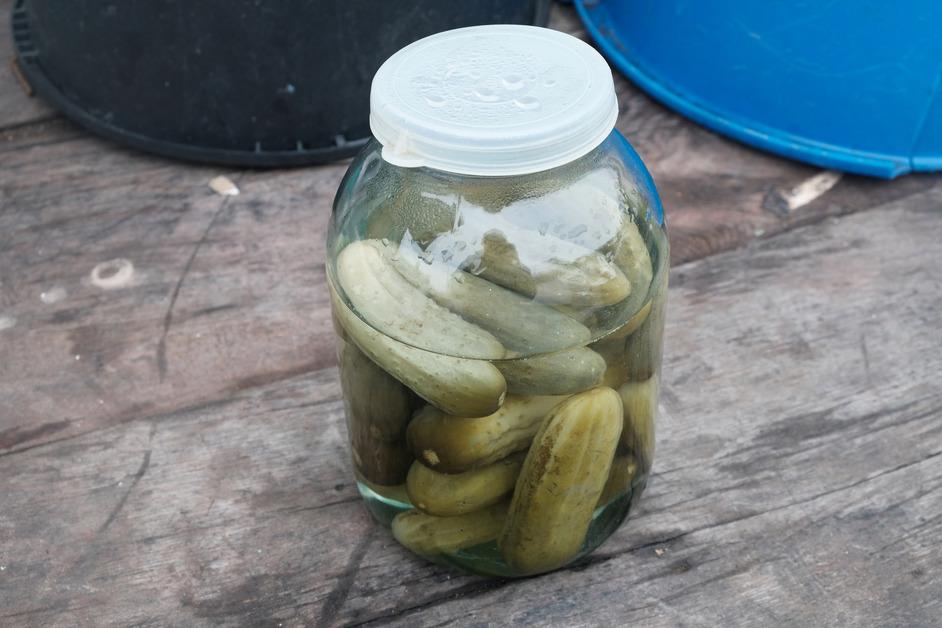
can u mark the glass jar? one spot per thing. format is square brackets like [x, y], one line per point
[498, 275]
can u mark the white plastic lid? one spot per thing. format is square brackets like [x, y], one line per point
[493, 101]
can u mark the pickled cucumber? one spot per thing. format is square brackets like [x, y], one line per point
[428, 535]
[640, 404]
[380, 461]
[522, 325]
[453, 444]
[447, 495]
[581, 280]
[412, 211]
[561, 373]
[378, 408]
[561, 481]
[393, 306]
[377, 400]
[630, 254]
[643, 347]
[623, 472]
[455, 385]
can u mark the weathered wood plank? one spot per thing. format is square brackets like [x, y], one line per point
[226, 292]
[17, 107]
[798, 480]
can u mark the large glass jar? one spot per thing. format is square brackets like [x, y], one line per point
[499, 302]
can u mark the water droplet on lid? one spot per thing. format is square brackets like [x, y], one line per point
[435, 100]
[549, 82]
[485, 94]
[512, 82]
[527, 102]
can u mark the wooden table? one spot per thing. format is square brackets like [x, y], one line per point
[172, 447]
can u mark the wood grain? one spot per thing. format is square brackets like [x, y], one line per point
[227, 292]
[798, 479]
[230, 293]
[17, 107]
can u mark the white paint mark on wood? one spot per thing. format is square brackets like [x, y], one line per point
[53, 295]
[810, 189]
[7, 322]
[116, 273]
[224, 186]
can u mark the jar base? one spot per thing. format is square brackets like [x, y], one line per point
[485, 559]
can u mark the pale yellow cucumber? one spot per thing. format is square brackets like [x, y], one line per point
[453, 444]
[623, 471]
[447, 495]
[428, 535]
[455, 385]
[640, 403]
[560, 373]
[561, 481]
[630, 254]
[522, 325]
[396, 308]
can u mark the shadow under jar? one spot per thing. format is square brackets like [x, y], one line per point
[498, 275]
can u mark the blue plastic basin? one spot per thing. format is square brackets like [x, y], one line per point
[845, 84]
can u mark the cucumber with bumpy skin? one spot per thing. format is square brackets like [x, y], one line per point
[459, 386]
[447, 495]
[560, 373]
[396, 308]
[522, 325]
[453, 444]
[561, 482]
[428, 535]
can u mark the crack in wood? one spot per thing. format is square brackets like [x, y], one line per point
[338, 595]
[18, 126]
[145, 464]
[465, 591]
[598, 557]
[168, 316]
